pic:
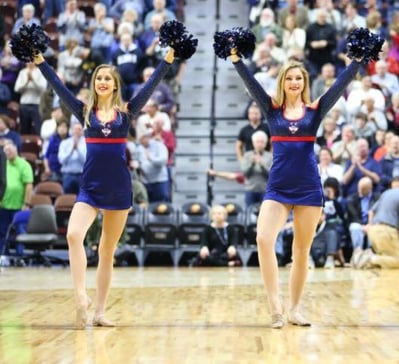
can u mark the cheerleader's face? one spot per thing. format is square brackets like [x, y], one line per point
[104, 83]
[294, 82]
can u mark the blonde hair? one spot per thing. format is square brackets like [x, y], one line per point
[280, 95]
[117, 100]
[216, 208]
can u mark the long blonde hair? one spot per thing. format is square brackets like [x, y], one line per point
[280, 94]
[117, 100]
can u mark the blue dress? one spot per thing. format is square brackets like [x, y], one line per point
[106, 181]
[294, 177]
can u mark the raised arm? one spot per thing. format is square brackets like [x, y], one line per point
[74, 105]
[263, 100]
[136, 103]
[331, 96]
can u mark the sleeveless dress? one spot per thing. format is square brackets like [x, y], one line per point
[106, 181]
[294, 177]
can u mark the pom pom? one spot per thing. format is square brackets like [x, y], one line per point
[174, 34]
[363, 45]
[28, 41]
[242, 39]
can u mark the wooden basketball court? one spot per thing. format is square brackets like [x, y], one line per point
[195, 315]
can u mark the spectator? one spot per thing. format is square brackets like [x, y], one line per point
[120, 6]
[52, 9]
[28, 18]
[320, 41]
[159, 7]
[380, 151]
[293, 37]
[70, 63]
[17, 194]
[129, 59]
[71, 24]
[344, 149]
[363, 128]
[51, 164]
[244, 138]
[267, 25]
[361, 165]
[352, 19]
[300, 12]
[10, 67]
[386, 81]
[327, 168]
[270, 41]
[162, 94]
[324, 81]
[219, 245]
[7, 133]
[130, 16]
[5, 95]
[375, 117]
[334, 17]
[146, 120]
[383, 231]
[30, 84]
[356, 97]
[153, 158]
[255, 166]
[49, 127]
[101, 31]
[392, 113]
[390, 163]
[72, 156]
[358, 205]
[330, 132]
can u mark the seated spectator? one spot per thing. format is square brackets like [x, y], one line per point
[383, 230]
[52, 9]
[255, 166]
[130, 16]
[351, 18]
[363, 128]
[382, 150]
[358, 205]
[376, 118]
[267, 78]
[299, 11]
[146, 120]
[327, 168]
[152, 156]
[361, 165]
[120, 6]
[219, 245]
[346, 148]
[49, 127]
[270, 42]
[357, 96]
[72, 156]
[28, 18]
[71, 24]
[330, 133]
[386, 81]
[7, 134]
[322, 83]
[334, 17]
[390, 163]
[159, 7]
[162, 94]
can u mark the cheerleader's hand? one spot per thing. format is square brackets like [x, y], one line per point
[38, 58]
[233, 55]
[170, 56]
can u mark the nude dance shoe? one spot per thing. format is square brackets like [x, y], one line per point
[101, 320]
[295, 318]
[81, 314]
[277, 321]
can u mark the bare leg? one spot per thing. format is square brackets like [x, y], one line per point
[305, 222]
[82, 216]
[272, 217]
[113, 224]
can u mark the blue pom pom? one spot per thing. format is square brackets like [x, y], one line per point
[28, 41]
[174, 34]
[242, 39]
[363, 45]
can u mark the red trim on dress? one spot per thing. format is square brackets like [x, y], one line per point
[106, 140]
[293, 138]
